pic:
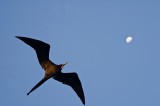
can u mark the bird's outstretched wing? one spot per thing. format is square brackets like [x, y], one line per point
[72, 80]
[41, 48]
[38, 84]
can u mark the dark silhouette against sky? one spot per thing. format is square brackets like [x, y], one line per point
[91, 35]
[53, 70]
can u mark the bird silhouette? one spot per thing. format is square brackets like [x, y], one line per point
[53, 70]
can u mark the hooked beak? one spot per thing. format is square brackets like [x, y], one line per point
[64, 64]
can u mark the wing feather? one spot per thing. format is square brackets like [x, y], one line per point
[41, 48]
[38, 84]
[72, 80]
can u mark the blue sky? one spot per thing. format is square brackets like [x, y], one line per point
[90, 34]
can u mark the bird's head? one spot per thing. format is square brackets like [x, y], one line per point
[62, 65]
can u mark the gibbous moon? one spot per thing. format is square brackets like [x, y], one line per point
[129, 39]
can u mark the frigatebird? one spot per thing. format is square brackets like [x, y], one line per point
[53, 70]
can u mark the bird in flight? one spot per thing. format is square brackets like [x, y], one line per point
[51, 69]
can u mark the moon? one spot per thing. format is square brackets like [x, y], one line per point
[129, 39]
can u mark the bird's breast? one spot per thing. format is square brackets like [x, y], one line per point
[50, 69]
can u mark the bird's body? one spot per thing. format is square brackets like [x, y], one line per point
[53, 70]
[50, 68]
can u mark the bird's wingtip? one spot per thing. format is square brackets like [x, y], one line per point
[17, 36]
[84, 103]
[28, 94]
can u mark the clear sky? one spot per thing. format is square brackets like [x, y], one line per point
[90, 34]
